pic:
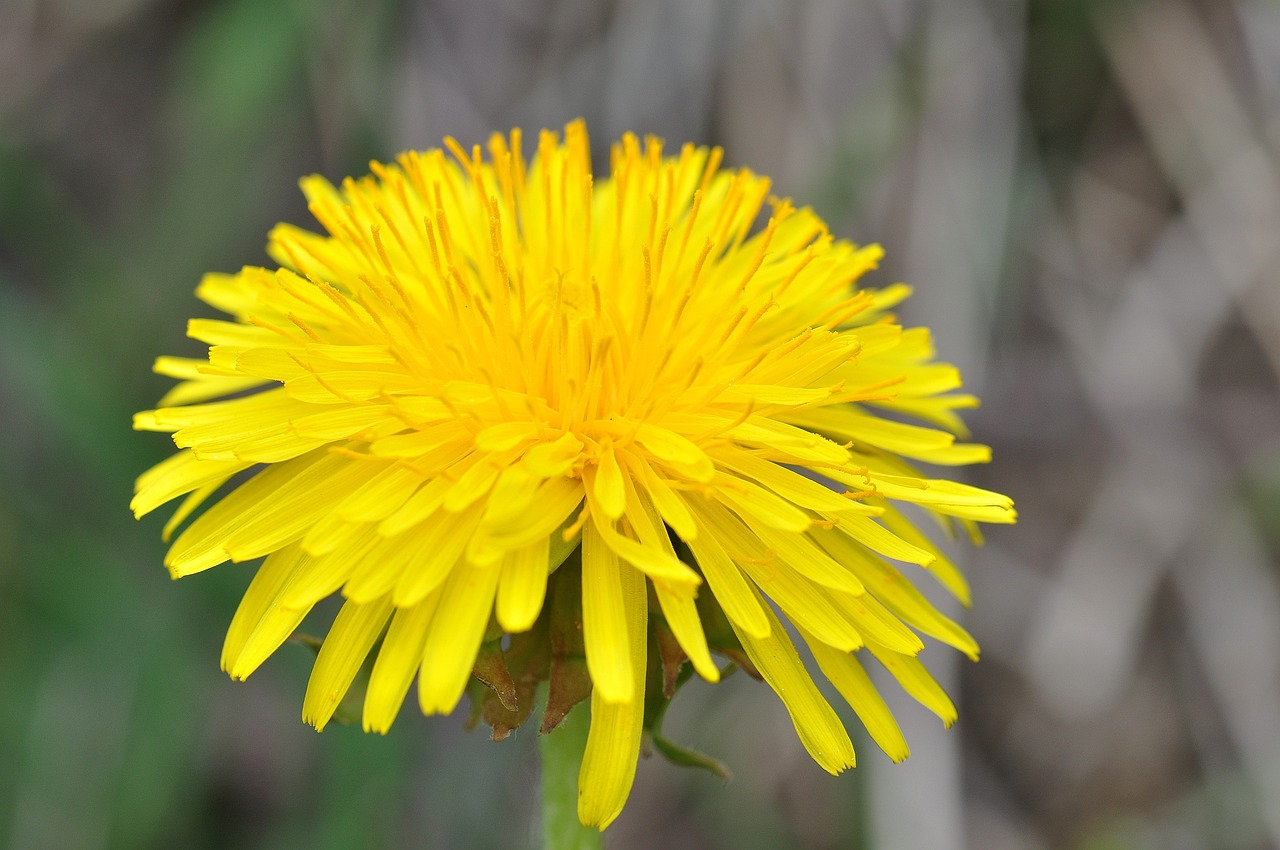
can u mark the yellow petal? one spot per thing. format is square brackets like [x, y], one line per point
[267, 583]
[802, 600]
[505, 435]
[606, 483]
[444, 538]
[655, 563]
[523, 586]
[338, 421]
[789, 440]
[677, 604]
[206, 387]
[398, 661]
[942, 567]
[512, 495]
[466, 602]
[927, 491]
[960, 454]
[725, 579]
[673, 511]
[425, 501]
[936, 410]
[985, 513]
[332, 532]
[381, 495]
[806, 557]
[875, 536]
[613, 742]
[275, 627]
[816, 723]
[789, 484]
[551, 459]
[760, 504]
[178, 474]
[681, 614]
[344, 649]
[676, 451]
[556, 499]
[845, 422]
[379, 568]
[218, 332]
[805, 604]
[272, 509]
[896, 592]
[853, 683]
[604, 621]
[316, 577]
[771, 394]
[474, 484]
[421, 441]
[915, 680]
[349, 385]
[228, 292]
[194, 499]
[275, 624]
[877, 624]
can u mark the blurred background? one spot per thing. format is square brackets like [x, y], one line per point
[1086, 195]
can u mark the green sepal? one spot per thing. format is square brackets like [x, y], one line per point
[569, 682]
[655, 710]
[477, 693]
[672, 655]
[686, 757]
[311, 642]
[527, 660]
[491, 669]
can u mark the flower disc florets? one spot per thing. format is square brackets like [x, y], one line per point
[488, 366]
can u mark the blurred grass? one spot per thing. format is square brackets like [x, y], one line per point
[108, 673]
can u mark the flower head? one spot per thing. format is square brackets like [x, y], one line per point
[493, 376]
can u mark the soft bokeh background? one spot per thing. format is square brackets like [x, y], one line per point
[1086, 195]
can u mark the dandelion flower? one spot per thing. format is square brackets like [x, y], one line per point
[516, 416]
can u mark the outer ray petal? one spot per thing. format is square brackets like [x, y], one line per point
[658, 565]
[613, 742]
[604, 620]
[272, 509]
[523, 585]
[398, 660]
[896, 592]
[916, 681]
[678, 605]
[345, 648]
[816, 723]
[456, 631]
[444, 537]
[726, 581]
[178, 474]
[263, 592]
[853, 683]
[317, 576]
[808, 559]
[673, 511]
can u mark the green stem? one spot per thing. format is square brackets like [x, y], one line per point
[561, 752]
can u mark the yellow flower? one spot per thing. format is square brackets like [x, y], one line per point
[488, 363]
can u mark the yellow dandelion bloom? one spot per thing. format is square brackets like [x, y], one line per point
[498, 386]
